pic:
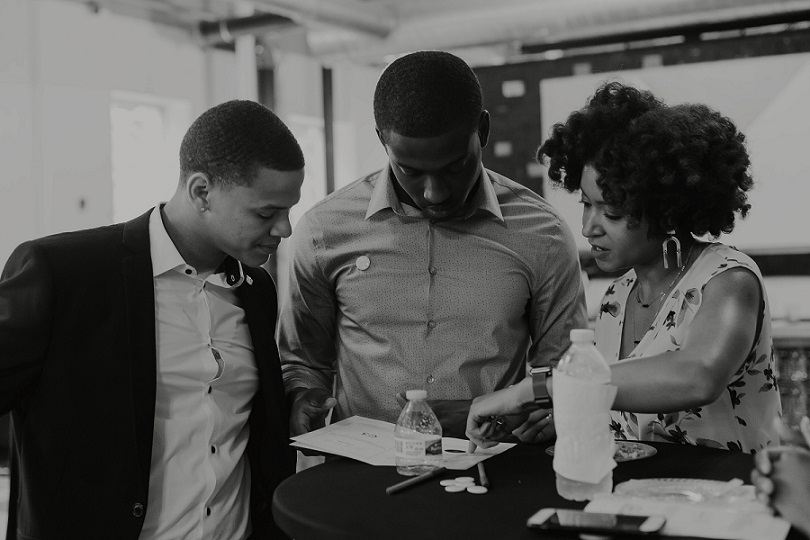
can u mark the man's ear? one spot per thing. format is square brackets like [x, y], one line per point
[198, 187]
[483, 128]
[381, 138]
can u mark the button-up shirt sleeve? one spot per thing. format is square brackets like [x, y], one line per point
[307, 319]
[558, 300]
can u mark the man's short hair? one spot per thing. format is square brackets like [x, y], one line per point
[427, 93]
[230, 141]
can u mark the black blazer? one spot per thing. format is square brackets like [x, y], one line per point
[77, 372]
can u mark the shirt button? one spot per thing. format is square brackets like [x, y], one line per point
[433, 270]
[209, 389]
[213, 449]
[362, 262]
[207, 511]
[188, 271]
[431, 379]
[432, 324]
[137, 509]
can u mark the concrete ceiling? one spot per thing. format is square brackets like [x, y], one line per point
[484, 32]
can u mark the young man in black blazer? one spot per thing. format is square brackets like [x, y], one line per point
[138, 360]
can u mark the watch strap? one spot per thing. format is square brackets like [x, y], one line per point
[539, 377]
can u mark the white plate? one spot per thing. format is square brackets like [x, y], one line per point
[683, 489]
[625, 451]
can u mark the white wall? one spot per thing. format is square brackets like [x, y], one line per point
[59, 64]
[357, 151]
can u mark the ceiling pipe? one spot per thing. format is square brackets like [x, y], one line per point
[667, 29]
[227, 30]
[533, 22]
[366, 19]
[154, 10]
[720, 15]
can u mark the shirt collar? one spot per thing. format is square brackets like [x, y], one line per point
[384, 196]
[165, 257]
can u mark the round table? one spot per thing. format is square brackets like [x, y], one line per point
[344, 498]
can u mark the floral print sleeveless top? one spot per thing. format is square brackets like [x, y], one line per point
[742, 417]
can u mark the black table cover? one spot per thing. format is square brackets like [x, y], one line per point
[345, 499]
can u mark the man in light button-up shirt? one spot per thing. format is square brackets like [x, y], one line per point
[432, 273]
[138, 359]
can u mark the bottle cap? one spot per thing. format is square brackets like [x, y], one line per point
[416, 394]
[581, 335]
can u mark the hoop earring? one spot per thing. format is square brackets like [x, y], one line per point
[665, 246]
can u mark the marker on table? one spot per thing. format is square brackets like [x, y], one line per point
[482, 475]
[483, 479]
[405, 484]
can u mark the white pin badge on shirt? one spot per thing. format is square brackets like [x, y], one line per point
[362, 262]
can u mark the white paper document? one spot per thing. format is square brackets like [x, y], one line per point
[732, 521]
[372, 442]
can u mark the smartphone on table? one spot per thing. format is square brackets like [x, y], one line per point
[579, 521]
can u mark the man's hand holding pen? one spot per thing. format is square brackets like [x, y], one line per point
[508, 415]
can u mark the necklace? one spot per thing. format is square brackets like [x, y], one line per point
[668, 288]
[658, 299]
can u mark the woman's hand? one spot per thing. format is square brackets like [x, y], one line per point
[538, 427]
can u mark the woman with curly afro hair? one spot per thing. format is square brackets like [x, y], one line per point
[687, 328]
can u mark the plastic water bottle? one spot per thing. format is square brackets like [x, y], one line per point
[417, 436]
[584, 361]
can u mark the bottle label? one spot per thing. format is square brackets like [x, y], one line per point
[417, 448]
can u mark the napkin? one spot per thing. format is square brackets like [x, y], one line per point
[584, 448]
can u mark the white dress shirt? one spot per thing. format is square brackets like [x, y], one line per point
[199, 484]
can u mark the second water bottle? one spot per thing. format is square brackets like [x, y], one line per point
[417, 436]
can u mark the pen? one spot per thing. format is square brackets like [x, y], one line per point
[483, 479]
[482, 475]
[396, 488]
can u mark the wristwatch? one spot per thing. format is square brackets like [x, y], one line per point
[539, 377]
